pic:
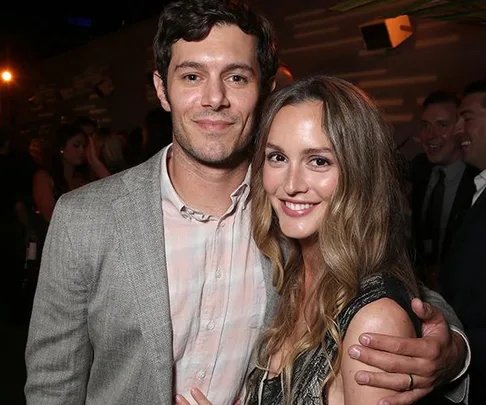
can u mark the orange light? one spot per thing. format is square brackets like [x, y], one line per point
[6, 76]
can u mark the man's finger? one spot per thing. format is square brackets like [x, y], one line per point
[396, 381]
[405, 398]
[423, 310]
[389, 362]
[397, 345]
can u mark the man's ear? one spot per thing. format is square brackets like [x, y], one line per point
[160, 89]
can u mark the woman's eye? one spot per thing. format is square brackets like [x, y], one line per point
[319, 161]
[275, 157]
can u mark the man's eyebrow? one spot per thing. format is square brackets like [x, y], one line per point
[239, 66]
[190, 65]
[227, 68]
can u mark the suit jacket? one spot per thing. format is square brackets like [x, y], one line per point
[101, 331]
[421, 171]
[463, 278]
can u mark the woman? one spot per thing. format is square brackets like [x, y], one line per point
[68, 170]
[327, 211]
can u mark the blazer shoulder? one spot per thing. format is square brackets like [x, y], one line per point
[104, 191]
[471, 171]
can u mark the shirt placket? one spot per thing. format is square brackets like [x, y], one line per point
[213, 307]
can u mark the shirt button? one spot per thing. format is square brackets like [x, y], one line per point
[201, 374]
[222, 224]
[210, 325]
[218, 273]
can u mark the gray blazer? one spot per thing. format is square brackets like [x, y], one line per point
[100, 331]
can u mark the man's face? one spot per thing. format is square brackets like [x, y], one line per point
[438, 138]
[471, 128]
[212, 92]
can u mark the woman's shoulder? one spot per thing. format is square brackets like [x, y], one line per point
[379, 293]
[384, 316]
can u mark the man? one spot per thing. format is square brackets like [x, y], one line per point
[151, 283]
[442, 184]
[464, 272]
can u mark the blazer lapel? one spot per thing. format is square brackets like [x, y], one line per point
[470, 216]
[139, 224]
[464, 194]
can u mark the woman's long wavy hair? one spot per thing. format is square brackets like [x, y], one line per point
[364, 229]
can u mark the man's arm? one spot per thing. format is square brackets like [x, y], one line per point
[58, 354]
[436, 358]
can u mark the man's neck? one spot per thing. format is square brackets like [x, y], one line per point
[203, 188]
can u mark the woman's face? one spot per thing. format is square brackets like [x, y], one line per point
[74, 150]
[300, 172]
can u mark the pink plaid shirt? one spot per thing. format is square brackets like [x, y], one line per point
[217, 293]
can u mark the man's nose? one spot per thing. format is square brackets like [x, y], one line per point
[459, 126]
[214, 95]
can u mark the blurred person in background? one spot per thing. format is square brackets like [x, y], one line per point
[104, 153]
[68, 170]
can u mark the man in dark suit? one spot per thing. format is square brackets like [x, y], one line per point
[463, 276]
[442, 184]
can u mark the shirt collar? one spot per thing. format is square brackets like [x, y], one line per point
[480, 180]
[452, 170]
[168, 193]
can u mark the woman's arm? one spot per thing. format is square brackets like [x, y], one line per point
[383, 316]
[43, 193]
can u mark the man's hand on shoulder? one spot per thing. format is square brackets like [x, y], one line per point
[434, 359]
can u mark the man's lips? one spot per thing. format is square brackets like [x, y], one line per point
[214, 125]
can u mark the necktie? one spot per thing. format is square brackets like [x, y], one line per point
[433, 219]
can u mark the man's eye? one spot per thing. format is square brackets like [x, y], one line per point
[238, 79]
[191, 77]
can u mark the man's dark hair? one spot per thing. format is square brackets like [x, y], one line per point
[478, 86]
[192, 20]
[441, 97]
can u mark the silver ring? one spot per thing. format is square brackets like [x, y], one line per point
[410, 384]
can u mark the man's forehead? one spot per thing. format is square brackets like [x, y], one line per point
[473, 101]
[438, 110]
